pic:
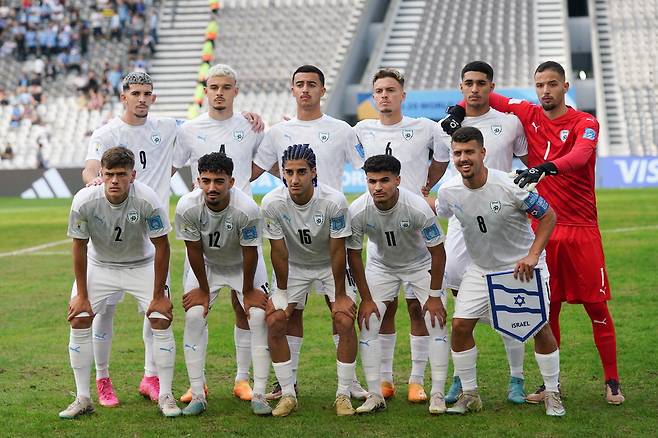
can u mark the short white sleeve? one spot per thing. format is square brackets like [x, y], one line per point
[266, 154]
[273, 228]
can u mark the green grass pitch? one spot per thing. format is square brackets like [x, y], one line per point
[36, 381]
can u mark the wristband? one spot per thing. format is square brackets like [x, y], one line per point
[437, 293]
[280, 299]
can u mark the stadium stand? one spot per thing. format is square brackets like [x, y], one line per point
[265, 41]
[61, 71]
[512, 35]
[628, 90]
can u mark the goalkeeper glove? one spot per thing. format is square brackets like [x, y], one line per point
[454, 120]
[528, 178]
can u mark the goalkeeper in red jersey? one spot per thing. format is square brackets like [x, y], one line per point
[562, 145]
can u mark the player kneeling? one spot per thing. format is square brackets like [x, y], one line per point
[405, 248]
[492, 212]
[221, 227]
[119, 232]
[307, 224]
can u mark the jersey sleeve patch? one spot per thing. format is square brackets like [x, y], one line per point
[250, 233]
[155, 223]
[338, 223]
[535, 205]
[359, 150]
[590, 134]
[431, 232]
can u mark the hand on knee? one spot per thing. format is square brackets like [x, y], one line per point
[159, 323]
[343, 324]
[81, 322]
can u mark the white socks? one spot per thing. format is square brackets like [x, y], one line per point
[346, 373]
[194, 347]
[549, 367]
[150, 369]
[370, 350]
[419, 356]
[295, 345]
[242, 339]
[387, 343]
[164, 355]
[515, 353]
[260, 353]
[439, 352]
[465, 363]
[81, 355]
[283, 372]
[102, 332]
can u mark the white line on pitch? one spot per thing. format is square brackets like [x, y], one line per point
[628, 229]
[34, 248]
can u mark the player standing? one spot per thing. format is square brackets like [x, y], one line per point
[334, 144]
[562, 143]
[221, 227]
[307, 224]
[415, 143]
[151, 139]
[119, 232]
[221, 130]
[498, 239]
[503, 134]
[407, 249]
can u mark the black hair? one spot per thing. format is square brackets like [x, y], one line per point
[216, 162]
[382, 163]
[299, 152]
[479, 66]
[466, 134]
[551, 65]
[307, 68]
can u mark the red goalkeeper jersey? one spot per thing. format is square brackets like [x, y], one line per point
[570, 143]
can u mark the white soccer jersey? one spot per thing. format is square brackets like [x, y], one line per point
[153, 146]
[234, 137]
[504, 138]
[119, 235]
[333, 141]
[306, 228]
[399, 237]
[412, 141]
[222, 233]
[493, 218]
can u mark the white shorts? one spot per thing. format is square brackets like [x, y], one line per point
[230, 277]
[118, 297]
[472, 301]
[457, 258]
[104, 284]
[385, 284]
[302, 279]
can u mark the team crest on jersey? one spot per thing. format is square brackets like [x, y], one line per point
[228, 223]
[133, 216]
[564, 134]
[407, 134]
[155, 138]
[324, 136]
[318, 218]
[495, 206]
[238, 135]
[404, 224]
[497, 129]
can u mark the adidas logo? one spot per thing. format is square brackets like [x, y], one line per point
[50, 185]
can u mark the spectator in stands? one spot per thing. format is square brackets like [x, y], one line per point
[19, 39]
[96, 19]
[114, 78]
[4, 98]
[50, 70]
[115, 28]
[8, 153]
[41, 161]
[74, 61]
[153, 26]
[84, 34]
[16, 116]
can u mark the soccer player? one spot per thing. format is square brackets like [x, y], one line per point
[407, 248]
[120, 244]
[334, 144]
[151, 139]
[503, 134]
[307, 224]
[415, 143]
[497, 239]
[221, 227]
[221, 130]
[562, 143]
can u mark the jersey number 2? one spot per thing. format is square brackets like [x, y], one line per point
[118, 238]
